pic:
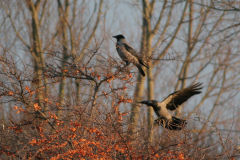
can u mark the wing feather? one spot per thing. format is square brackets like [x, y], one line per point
[177, 98]
[133, 52]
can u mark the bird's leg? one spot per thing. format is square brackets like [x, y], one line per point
[124, 66]
[127, 63]
[163, 123]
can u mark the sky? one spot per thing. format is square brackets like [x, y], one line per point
[124, 17]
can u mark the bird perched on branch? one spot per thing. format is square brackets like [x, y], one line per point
[172, 102]
[128, 54]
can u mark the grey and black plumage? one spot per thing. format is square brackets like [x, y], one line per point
[172, 102]
[128, 54]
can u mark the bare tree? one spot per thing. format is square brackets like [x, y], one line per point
[148, 48]
[205, 40]
[90, 117]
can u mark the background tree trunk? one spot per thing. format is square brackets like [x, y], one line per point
[63, 16]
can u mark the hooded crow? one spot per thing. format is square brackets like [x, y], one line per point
[172, 102]
[128, 54]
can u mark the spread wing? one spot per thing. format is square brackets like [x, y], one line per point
[179, 97]
[133, 52]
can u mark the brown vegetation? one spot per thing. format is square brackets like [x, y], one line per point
[65, 95]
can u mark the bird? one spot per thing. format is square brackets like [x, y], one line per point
[172, 102]
[128, 54]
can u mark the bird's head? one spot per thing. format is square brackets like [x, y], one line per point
[118, 37]
[149, 103]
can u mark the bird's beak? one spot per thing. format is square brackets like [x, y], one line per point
[146, 102]
[114, 36]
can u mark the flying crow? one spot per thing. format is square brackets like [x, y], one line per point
[128, 54]
[172, 102]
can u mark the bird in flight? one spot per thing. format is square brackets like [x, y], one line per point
[128, 54]
[172, 102]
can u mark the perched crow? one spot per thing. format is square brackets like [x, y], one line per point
[172, 102]
[128, 54]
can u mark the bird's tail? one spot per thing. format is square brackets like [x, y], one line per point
[175, 124]
[140, 69]
[143, 63]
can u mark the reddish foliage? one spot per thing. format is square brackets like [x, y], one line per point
[52, 127]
